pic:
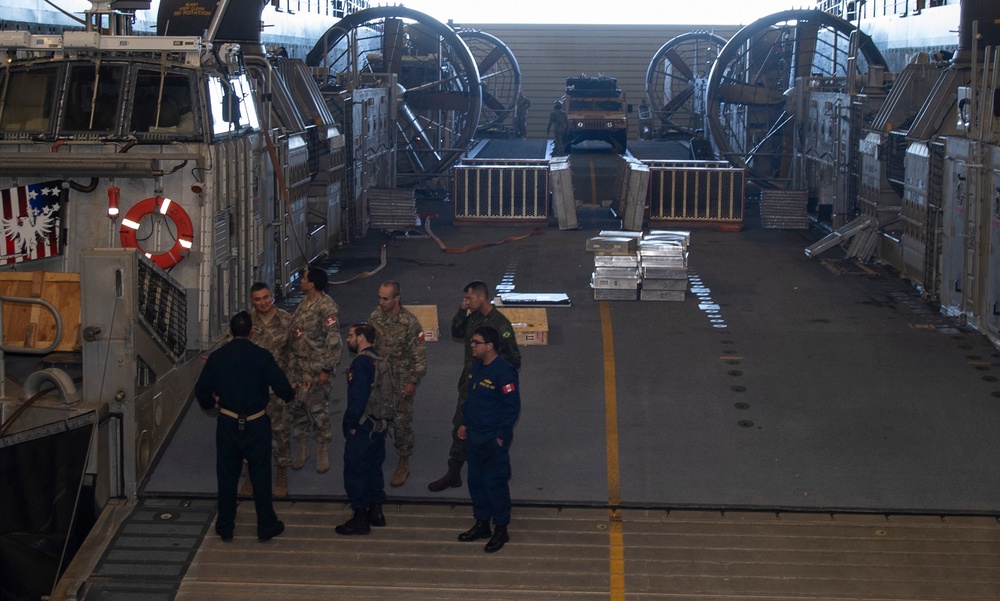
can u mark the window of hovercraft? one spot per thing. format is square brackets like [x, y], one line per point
[163, 105]
[93, 98]
[28, 100]
[231, 105]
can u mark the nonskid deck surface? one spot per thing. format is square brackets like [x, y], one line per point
[713, 448]
[163, 549]
[776, 384]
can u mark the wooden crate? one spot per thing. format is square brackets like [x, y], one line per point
[531, 324]
[31, 325]
[428, 316]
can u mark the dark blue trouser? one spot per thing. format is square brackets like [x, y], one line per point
[489, 478]
[364, 454]
[232, 447]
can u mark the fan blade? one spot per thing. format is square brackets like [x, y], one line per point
[678, 100]
[490, 59]
[806, 36]
[443, 101]
[678, 63]
[741, 93]
[393, 43]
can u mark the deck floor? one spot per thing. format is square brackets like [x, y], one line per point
[784, 433]
[565, 553]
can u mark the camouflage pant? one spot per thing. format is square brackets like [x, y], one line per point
[281, 431]
[311, 413]
[402, 428]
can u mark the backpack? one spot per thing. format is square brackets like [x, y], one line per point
[382, 398]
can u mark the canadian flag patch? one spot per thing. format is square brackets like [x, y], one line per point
[420, 337]
[331, 320]
[508, 388]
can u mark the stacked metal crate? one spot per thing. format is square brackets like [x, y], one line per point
[616, 265]
[663, 258]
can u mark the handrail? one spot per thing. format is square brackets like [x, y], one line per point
[21, 349]
[31, 351]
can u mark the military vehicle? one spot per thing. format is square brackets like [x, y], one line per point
[596, 110]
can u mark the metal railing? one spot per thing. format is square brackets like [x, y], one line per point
[23, 349]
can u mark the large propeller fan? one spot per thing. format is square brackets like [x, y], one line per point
[499, 78]
[677, 81]
[748, 113]
[440, 95]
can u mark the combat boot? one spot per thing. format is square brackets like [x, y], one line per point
[402, 471]
[322, 457]
[375, 515]
[281, 482]
[301, 454]
[452, 479]
[480, 530]
[358, 524]
[498, 540]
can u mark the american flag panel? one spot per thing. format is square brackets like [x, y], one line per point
[30, 222]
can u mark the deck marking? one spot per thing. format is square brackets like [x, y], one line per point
[615, 532]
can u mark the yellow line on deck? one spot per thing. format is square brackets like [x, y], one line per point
[616, 541]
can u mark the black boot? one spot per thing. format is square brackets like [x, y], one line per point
[358, 524]
[375, 515]
[498, 540]
[480, 530]
[266, 533]
[452, 479]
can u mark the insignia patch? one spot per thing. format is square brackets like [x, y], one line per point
[350, 376]
[298, 332]
[331, 320]
[508, 388]
[506, 334]
[420, 336]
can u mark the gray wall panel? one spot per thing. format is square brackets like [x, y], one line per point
[548, 54]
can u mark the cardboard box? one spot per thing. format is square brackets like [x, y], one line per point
[531, 325]
[428, 316]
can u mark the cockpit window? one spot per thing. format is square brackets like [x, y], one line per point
[163, 104]
[231, 104]
[93, 98]
[28, 100]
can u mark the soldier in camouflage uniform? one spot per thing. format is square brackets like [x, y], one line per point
[270, 330]
[315, 346]
[400, 339]
[476, 310]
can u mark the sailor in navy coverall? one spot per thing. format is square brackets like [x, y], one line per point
[235, 380]
[488, 417]
[364, 446]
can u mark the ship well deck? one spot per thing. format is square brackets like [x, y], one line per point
[785, 432]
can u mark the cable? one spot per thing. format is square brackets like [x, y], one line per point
[366, 274]
[454, 251]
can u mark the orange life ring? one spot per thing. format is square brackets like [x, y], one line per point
[176, 213]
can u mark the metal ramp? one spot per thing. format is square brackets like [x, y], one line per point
[861, 247]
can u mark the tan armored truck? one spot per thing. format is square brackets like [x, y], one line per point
[596, 110]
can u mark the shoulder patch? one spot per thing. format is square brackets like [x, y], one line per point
[331, 320]
[508, 388]
[506, 334]
[420, 336]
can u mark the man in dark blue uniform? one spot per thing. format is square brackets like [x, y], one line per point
[235, 380]
[488, 419]
[364, 448]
